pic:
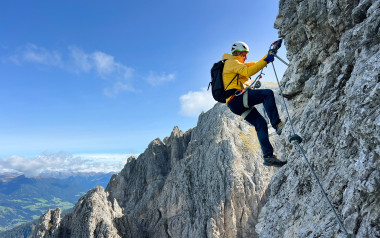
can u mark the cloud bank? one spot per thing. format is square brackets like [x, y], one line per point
[64, 162]
[193, 103]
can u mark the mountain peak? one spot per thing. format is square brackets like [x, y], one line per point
[189, 185]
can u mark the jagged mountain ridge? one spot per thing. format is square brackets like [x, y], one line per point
[206, 182]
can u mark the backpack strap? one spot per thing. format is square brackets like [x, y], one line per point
[237, 80]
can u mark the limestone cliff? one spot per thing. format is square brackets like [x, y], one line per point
[333, 82]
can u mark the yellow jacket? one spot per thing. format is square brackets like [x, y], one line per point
[234, 65]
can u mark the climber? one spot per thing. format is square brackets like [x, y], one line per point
[235, 65]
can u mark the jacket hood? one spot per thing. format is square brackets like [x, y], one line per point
[227, 56]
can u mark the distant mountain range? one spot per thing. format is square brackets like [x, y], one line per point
[24, 199]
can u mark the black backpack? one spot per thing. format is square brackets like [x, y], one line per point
[217, 88]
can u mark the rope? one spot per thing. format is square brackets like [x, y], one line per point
[307, 161]
[283, 99]
[256, 79]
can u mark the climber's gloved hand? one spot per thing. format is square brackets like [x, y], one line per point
[275, 46]
[278, 44]
[269, 57]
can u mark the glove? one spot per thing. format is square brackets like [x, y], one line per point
[269, 58]
[275, 46]
[278, 44]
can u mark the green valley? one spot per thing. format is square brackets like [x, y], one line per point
[25, 199]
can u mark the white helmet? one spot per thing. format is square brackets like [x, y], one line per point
[239, 46]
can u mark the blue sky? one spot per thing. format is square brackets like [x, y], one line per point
[110, 76]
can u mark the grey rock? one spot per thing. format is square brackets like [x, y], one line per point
[93, 216]
[215, 188]
[48, 224]
[333, 83]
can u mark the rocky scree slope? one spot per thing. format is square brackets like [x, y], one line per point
[206, 182]
[333, 82]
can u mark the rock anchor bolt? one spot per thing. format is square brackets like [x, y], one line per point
[296, 138]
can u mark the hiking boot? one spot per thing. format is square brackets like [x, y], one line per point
[273, 161]
[280, 126]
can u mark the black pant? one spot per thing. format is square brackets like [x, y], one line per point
[257, 96]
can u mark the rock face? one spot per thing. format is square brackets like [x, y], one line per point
[206, 182]
[93, 216]
[333, 82]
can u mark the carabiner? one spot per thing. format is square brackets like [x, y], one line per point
[239, 92]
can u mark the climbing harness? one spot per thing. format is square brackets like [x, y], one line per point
[296, 139]
[245, 104]
[244, 92]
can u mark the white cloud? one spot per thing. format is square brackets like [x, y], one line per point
[106, 67]
[35, 54]
[154, 79]
[104, 63]
[80, 60]
[193, 103]
[119, 76]
[64, 162]
[118, 87]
